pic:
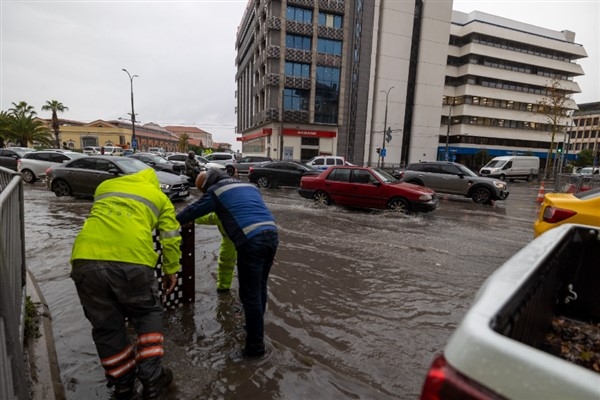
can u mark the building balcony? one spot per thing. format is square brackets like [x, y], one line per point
[302, 56]
[297, 82]
[299, 28]
[336, 6]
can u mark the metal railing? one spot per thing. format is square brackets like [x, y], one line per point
[568, 183]
[13, 380]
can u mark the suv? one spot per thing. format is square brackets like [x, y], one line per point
[321, 163]
[11, 156]
[34, 164]
[221, 158]
[453, 178]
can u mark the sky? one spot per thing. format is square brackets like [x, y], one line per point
[184, 55]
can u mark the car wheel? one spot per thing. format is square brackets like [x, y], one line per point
[230, 169]
[263, 182]
[61, 188]
[399, 205]
[481, 195]
[321, 198]
[28, 176]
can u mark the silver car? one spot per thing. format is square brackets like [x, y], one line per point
[454, 178]
[82, 176]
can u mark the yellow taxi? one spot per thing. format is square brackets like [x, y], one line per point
[563, 208]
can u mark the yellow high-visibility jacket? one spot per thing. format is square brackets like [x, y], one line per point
[119, 228]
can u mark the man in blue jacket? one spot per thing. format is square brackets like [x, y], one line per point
[251, 227]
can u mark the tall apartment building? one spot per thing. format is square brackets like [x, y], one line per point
[498, 72]
[584, 132]
[332, 76]
[363, 79]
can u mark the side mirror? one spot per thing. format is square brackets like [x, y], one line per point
[113, 171]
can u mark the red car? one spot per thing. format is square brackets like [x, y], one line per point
[366, 187]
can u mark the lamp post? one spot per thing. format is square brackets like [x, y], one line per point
[133, 138]
[447, 154]
[382, 154]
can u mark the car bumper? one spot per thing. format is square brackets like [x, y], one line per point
[427, 206]
[306, 193]
[502, 195]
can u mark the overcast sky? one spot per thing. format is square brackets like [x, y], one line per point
[184, 54]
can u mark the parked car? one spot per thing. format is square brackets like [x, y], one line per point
[112, 151]
[588, 171]
[179, 158]
[33, 165]
[159, 163]
[279, 173]
[321, 163]
[81, 176]
[10, 156]
[91, 150]
[454, 178]
[366, 187]
[244, 164]
[221, 158]
[563, 208]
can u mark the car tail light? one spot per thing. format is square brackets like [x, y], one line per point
[401, 175]
[554, 215]
[48, 171]
[250, 169]
[445, 383]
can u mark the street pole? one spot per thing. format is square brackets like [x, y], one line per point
[447, 155]
[384, 124]
[133, 138]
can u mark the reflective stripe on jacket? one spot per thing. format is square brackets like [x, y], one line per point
[119, 228]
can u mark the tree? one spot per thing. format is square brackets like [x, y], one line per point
[55, 106]
[555, 107]
[584, 158]
[182, 144]
[21, 125]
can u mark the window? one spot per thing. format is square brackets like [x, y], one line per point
[330, 20]
[361, 176]
[339, 175]
[297, 42]
[329, 46]
[327, 94]
[299, 14]
[295, 99]
[297, 69]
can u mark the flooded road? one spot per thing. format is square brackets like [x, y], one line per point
[360, 301]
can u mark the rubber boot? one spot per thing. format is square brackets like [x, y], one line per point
[157, 390]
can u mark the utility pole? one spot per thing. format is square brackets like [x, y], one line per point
[383, 151]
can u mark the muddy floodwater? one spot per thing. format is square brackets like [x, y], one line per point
[360, 301]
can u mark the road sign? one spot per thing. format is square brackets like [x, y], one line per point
[383, 152]
[388, 135]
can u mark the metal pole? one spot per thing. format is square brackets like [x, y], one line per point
[133, 138]
[447, 155]
[384, 124]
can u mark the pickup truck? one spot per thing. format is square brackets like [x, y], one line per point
[500, 348]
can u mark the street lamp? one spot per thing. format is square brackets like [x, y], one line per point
[385, 124]
[133, 138]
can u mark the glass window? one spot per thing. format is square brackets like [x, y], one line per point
[297, 69]
[297, 42]
[339, 175]
[329, 46]
[295, 99]
[327, 94]
[330, 20]
[299, 14]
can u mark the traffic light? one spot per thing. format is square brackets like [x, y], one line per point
[559, 148]
[378, 150]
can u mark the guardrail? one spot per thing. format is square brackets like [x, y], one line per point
[13, 380]
[568, 183]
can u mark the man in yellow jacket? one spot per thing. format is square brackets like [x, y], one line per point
[113, 261]
[227, 253]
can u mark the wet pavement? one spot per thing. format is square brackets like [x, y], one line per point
[360, 301]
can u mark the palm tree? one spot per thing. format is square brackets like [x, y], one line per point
[22, 109]
[55, 106]
[21, 125]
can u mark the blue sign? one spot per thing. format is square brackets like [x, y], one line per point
[134, 143]
[383, 152]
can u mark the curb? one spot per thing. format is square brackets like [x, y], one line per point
[44, 371]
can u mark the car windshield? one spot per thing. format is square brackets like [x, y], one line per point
[158, 159]
[130, 165]
[466, 171]
[202, 159]
[495, 164]
[384, 176]
[585, 171]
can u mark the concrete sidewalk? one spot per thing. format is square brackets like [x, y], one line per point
[42, 361]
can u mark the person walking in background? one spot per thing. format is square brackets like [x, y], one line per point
[113, 262]
[192, 166]
[251, 227]
[102, 150]
[227, 253]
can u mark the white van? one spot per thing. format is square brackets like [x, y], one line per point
[321, 163]
[512, 167]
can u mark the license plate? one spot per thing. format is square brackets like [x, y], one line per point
[183, 193]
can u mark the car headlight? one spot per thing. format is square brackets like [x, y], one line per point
[425, 197]
[500, 185]
[165, 186]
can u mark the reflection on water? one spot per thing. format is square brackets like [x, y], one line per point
[360, 301]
